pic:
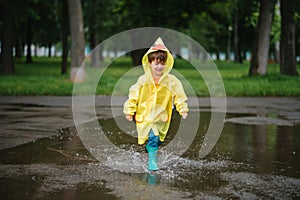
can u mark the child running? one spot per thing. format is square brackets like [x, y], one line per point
[151, 100]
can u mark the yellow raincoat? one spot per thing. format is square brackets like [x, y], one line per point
[152, 103]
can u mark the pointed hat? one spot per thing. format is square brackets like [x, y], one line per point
[159, 45]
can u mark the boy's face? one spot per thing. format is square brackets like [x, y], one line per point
[157, 68]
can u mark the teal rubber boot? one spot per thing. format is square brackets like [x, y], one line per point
[152, 158]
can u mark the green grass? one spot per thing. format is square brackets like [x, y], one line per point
[39, 78]
[238, 83]
[43, 78]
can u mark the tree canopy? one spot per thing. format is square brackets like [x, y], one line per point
[221, 27]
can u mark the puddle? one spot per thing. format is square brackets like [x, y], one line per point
[260, 121]
[248, 161]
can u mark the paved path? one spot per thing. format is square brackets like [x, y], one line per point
[26, 118]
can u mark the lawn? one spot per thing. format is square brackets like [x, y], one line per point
[42, 77]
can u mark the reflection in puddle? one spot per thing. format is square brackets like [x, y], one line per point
[249, 161]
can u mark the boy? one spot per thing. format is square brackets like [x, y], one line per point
[151, 100]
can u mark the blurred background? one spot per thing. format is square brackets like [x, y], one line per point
[256, 33]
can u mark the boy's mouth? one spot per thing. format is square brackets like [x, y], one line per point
[159, 69]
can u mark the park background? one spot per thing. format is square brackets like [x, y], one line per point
[255, 44]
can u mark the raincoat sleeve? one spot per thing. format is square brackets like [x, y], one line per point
[130, 105]
[180, 98]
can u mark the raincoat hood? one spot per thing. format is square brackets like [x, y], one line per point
[158, 45]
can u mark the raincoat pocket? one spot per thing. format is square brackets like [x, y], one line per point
[164, 117]
[139, 118]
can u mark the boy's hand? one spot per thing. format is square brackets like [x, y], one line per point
[129, 118]
[184, 115]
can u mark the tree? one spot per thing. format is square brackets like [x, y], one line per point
[46, 24]
[205, 30]
[287, 39]
[168, 13]
[211, 26]
[101, 22]
[64, 36]
[78, 42]
[36, 24]
[236, 33]
[29, 36]
[7, 63]
[260, 52]
[245, 23]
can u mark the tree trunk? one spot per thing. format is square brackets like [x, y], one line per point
[137, 54]
[18, 47]
[49, 50]
[277, 51]
[35, 54]
[254, 61]
[100, 52]
[7, 62]
[263, 40]
[244, 55]
[287, 40]
[77, 36]
[29, 40]
[229, 43]
[267, 9]
[64, 37]
[236, 40]
[218, 55]
[95, 57]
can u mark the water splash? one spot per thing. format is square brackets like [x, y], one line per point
[127, 161]
[133, 160]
